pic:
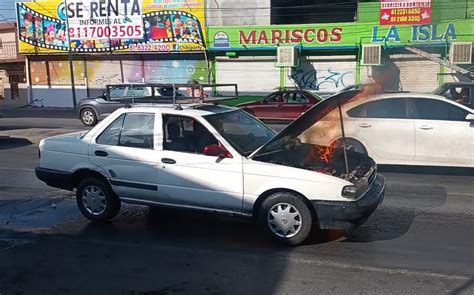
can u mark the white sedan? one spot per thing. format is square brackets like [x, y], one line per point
[212, 158]
[402, 129]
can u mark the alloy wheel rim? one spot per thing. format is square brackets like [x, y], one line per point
[88, 117]
[93, 199]
[284, 220]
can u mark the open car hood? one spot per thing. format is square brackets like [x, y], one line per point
[315, 142]
[308, 119]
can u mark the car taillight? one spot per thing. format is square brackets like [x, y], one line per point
[39, 154]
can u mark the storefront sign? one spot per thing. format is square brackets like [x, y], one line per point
[111, 26]
[333, 36]
[110, 19]
[405, 12]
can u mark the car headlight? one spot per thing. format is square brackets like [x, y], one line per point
[349, 191]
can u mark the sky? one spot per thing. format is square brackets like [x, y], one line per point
[7, 10]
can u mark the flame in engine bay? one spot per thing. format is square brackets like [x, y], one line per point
[326, 133]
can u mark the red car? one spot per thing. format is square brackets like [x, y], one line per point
[284, 105]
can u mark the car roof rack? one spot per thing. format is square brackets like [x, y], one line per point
[197, 93]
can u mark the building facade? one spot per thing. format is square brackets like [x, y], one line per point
[13, 87]
[224, 41]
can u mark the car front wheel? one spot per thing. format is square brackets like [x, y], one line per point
[88, 117]
[286, 218]
[96, 200]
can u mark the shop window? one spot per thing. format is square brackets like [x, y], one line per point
[312, 11]
[60, 75]
[103, 72]
[39, 73]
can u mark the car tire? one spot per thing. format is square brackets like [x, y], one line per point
[286, 218]
[96, 200]
[88, 117]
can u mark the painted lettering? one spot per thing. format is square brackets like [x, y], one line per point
[276, 36]
[450, 32]
[434, 33]
[307, 38]
[424, 33]
[322, 35]
[296, 36]
[247, 39]
[336, 35]
[262, 37]
[392, 34]
[375, 38]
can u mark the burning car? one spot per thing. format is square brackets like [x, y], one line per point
[208, 157]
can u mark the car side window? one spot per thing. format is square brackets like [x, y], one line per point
[185, 134]
[392, 108]
[275, 98]
[138, 91]
[430, 109]
[111, 135]
[295, 98]
[131, 130]
[117, 92]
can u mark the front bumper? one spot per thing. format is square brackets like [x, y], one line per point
[54, 178]
[348, 215]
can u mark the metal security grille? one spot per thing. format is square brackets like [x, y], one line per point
[371, 55]
[461, 52]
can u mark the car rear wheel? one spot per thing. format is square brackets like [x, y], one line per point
[88, 117]
[286, 218]
[96, 200]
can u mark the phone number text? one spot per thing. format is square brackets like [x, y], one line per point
[119, 32]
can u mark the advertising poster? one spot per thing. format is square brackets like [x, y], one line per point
[405, 12]
[111, 26]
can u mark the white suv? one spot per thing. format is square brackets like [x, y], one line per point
[213, 158]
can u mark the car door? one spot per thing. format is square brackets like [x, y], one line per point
[385, 129]
[443, 135]
[187, 177]
[125, 152]
[296, 105]
[271, 107]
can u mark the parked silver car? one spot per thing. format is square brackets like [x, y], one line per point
[92, 110]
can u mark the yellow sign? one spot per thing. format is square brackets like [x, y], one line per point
[111, 26]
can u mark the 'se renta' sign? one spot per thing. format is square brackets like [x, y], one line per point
[97, 19]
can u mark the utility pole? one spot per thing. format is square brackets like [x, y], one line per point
[71, 66]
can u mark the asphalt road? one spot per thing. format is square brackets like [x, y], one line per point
[420, 241]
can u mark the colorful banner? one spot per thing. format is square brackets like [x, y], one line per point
[333, 36]
[111, 26]
[405, 12]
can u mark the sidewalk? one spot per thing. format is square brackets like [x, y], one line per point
[35, 112]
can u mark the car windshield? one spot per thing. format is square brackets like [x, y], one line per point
[244, 132]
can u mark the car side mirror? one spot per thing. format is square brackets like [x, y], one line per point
[216, 150]
[470, 117]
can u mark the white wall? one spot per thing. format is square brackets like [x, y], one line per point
[238, 12]
[253, 75]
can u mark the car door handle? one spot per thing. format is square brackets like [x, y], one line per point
[101, 153]
[425, 127]
[365, 125]
[168, 161]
